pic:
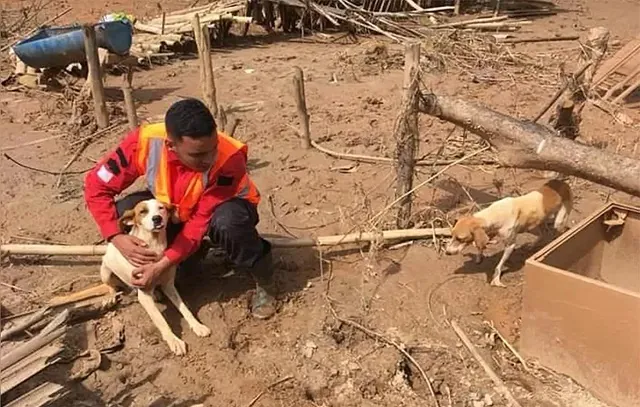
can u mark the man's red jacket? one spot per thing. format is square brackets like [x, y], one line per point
[117, 171]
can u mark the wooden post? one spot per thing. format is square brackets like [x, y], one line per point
[301, 104]
[164, 16]
[496, 13]
[566, 117]
[129, 103]
[234, 126]
[95, 76]
[456, 7]
[203, 42]
[222, 119]
[406, 133]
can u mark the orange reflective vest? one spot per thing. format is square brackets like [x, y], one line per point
[152, 159]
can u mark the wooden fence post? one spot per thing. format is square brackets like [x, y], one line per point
[406, 133]
[301, 104]
[203, 42]
[129, 103]
[95, 76]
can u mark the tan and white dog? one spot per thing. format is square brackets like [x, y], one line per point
[510, 216]
[148, 221]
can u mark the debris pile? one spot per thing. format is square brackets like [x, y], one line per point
[179, 22]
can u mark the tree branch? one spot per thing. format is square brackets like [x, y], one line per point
[523, 144]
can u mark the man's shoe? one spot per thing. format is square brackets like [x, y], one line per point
[263, 303]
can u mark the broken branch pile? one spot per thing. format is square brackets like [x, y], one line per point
[401, 20]
[179, 22]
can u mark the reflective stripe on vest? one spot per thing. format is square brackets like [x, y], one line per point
[152, 161]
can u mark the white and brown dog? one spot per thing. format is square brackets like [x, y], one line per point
[510, 216]
[148, 222]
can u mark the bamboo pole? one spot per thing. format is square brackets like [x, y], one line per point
[406, 133]
[129, 103]
[301, 104]
[203, 42]
[95, 76]
[99, 250]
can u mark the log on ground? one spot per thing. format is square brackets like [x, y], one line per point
[523, 144]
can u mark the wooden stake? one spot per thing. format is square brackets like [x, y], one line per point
[95, 76]
[129, 103]
[234, 126]
[164, 16]
[203, 42]
[406, 133]
[222, 119]
[301, 104]
[497, 11]
[456, 8]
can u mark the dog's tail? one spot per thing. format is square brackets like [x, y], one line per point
[566, 204]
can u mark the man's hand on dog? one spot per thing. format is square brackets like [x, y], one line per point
[134, 250]
[145, 276]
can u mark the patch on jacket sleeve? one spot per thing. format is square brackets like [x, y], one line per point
[224, 181]
[104, 174]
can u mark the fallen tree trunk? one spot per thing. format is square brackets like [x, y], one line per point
[523, 144]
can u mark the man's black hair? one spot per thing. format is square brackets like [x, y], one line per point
[189, 118]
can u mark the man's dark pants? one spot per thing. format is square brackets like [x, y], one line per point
[232, 228]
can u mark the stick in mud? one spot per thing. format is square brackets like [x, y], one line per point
[95, 76]
[406, 134]
[129, 103]
[301, 104]
[203, 42]
[500, 386]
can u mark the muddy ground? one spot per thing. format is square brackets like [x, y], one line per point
[406, 293]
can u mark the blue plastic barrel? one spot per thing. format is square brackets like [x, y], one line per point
[52, 47]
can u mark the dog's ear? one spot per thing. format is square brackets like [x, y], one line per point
[126, 219]
[173, 213]
[480, 238]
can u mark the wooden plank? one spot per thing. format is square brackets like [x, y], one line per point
[29, 367]
[49, 333]
[39, 396]
[616, 61]
[621, 84]
[627, 92]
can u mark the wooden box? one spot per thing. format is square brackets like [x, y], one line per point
[581, 312]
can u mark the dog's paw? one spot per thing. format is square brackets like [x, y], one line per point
[176, 345]
[497, 283]
[109, 302]
[201, 330]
